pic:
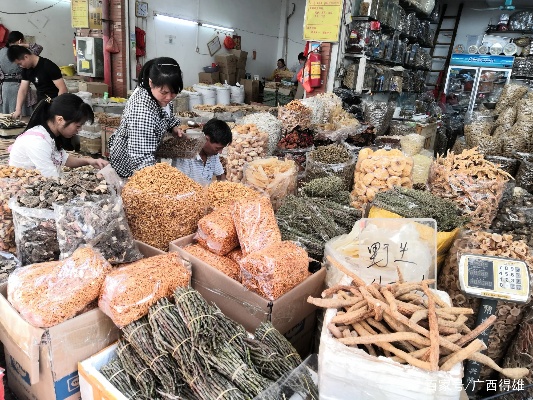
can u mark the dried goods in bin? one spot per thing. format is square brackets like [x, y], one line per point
[187, 146]
[334, 160]
[406, 322]
[101, 224]
[473, 183]
[255, 223]
[277, 178]
[224, 193]
[8, 263]
[508, 315]
[129, 291]
[162, 204]
[378, 171]
[294, 115]
[274, 270]
[223, 264]
[49, 293]
[265, 122]
[216, 232]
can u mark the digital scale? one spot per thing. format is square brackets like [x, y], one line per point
[492, 279]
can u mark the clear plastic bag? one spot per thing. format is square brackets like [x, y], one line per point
[49, 293]
[517, 139]
[515, 216]
[524, 176]
[345, 170]
[507, 117]
[519, 354]
[248, 144]
[275, 270]
[129, 291]
[8, 263]
[379, 114]
[35, 234]
[507, 164]
[512, 92]
[100, 224]
[421, 167]
[256, 224]
[225, 265]
[277, 178]
[412, 144]
[216, 232]
[490, 145]
[265, 122]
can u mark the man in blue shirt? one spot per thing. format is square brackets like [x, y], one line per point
[207, 163]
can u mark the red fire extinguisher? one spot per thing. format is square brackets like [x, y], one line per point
[315, 59]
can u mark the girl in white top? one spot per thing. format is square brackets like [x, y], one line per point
[39, 146]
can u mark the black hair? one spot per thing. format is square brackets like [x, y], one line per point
[162, 71]
[301, 56]
[282, 61]
[218, 131]
[69, 106]
[14, 36]
[16, 52]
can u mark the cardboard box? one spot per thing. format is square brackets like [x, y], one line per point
[227, 62]
[245, 306]
[43, 363]
[96, 88]
[251, 90]
[106, 134]
[240, 74]
[241, 57]
[229, 78]
[208, 77]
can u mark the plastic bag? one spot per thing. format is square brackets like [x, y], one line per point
[275, 270]
[345, 170]
[507, 164]
[509, 315]
[515, 216]
[265, 122]
[249, 143]
[421, 167]
[8, 263]
[35, 234]
[277, 178]
[524, 176]
[101, 224]
[512, 92]
[236, 255]
[379, 171]
[490, 145]
[507, 116]
[187, 146]
[412, 144]
[255, 223]
[517, 139]
[49, 293]
[129, 291]
[216, 232]
[223, 264]
[379, 114]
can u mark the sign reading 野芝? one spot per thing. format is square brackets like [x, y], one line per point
[322, 20]
[79, 10]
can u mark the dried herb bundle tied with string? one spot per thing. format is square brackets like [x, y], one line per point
[115, 373]
[331, 188]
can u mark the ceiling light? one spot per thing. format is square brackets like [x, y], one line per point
[172, 18]
[219, 28]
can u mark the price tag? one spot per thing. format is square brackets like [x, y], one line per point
[494, 278]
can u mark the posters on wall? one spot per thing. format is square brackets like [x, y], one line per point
[322, 20]
[86, 14]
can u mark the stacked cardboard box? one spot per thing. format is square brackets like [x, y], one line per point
[96, 88]
[241, 63]
[227, 64]
[209, 77]
[251, 90]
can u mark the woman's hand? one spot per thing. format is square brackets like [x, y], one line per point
[98, 163]
[177, 131]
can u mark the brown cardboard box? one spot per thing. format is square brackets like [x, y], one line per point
[247, 307]
[96, 88]
[251, 90]
[43, 363]
[106, 134]
[241, 58]
[227, 70]
[209, 77]
[229, 78]
[239, 74]
[226, 62]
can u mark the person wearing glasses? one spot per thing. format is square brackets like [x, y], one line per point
[148, 115]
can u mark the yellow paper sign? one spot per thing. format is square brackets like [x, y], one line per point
[322, 20]
[79, 10]
[85, 64]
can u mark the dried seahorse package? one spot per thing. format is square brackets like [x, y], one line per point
[101, 224]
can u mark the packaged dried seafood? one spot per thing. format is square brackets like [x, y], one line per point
[525, 110]
[517, 139]
[224, 264]
[277, 178]
[490, 145]
[509, 315]
[474, 184]
[129, 291]
[274, 270]
[216, 232]
[249, 143]
[294, 115]
[49, 293]
[379, 171]
[8, 263]
[255, 223]
[224, 193]
[507, 116]
[379, 114]
[265, 122]
[421, 167]
[101, 224]
[507, 164]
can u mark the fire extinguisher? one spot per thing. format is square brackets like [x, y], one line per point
[315, 60]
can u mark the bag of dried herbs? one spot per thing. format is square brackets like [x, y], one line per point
[332, 160]
[101, 224]
[332, 188]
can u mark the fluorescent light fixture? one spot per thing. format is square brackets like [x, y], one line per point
[172, 18]
[219, 28]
